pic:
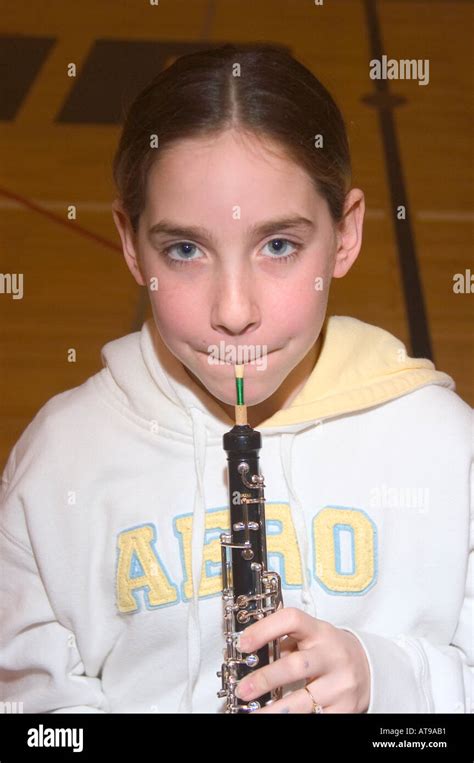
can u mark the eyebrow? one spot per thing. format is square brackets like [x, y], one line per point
[190, 231]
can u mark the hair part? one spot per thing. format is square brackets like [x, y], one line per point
[199, 95]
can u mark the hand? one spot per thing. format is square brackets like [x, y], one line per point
[331, 659]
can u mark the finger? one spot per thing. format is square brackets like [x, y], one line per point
[288, 669]
[294, 702]
[287, 645]
[297, 701]
[287, 621]
[301, 700]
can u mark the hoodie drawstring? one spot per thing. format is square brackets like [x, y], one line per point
[297, 513]
[197, 545]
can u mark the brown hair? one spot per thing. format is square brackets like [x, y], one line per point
[198, 96]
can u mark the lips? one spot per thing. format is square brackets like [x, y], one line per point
[221, 360]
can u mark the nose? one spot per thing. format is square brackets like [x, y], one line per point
[235, 310]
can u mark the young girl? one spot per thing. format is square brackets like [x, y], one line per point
[235, 211]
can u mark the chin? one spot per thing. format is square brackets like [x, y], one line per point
[253, 394]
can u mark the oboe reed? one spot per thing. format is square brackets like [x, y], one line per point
[240, 407]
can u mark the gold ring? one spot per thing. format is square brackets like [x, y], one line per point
[317, 708]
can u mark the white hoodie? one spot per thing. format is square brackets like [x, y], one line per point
[114, 498]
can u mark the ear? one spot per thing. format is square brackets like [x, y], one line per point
[129, 242]
[349, 232]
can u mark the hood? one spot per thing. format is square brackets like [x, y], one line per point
[359, 366]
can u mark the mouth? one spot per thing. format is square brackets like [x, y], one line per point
[223, 361]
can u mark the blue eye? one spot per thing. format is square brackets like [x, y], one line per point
[277, 255]
[283, 257]
[177, 260]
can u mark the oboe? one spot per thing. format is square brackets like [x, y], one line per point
[250, 591]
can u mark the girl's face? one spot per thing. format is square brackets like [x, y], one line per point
[237, 251]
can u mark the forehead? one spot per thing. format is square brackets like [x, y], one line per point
[213, 174]
[238, 147]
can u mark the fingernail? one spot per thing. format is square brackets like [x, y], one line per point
[244, 690]
[241, 643]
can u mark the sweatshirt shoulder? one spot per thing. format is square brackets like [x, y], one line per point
[446, 410]
[55, 426]
[447, 401]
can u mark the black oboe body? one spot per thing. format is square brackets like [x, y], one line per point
[250, 591]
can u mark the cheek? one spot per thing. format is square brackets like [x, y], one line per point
[177, 312]
[297, 304]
